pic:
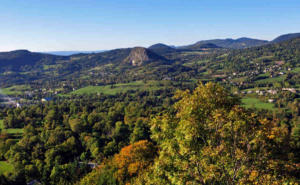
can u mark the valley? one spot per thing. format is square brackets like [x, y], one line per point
[150, 92]
[67, 114]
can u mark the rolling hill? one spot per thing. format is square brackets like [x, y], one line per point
[286, 37]
[161, 48]
[228, 43]
[19, 59]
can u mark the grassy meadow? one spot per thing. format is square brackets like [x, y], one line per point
[249, 102]
[119, 88]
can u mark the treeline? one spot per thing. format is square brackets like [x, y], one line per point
[60, 138]
[204, 138]
[207, 139]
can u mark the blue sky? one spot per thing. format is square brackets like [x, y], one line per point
[52, 25]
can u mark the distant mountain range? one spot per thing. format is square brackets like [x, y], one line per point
[229, 43]
[23, 60]
[163, 49]
[239, 43]
[68, 53]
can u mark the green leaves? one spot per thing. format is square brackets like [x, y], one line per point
[211, 140]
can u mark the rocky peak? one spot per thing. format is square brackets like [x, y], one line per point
[140, 55]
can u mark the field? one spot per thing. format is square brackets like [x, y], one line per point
[272, 80]
[296, 70]
[256, 88]
[249, 102]
[195, 62]
[5, 167]
[118, 88]
[17, 89]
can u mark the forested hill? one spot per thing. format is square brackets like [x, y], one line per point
[286, 37]
[162, 48]
[241, 43]
[19, 60]
[230, 43]
[286, 51]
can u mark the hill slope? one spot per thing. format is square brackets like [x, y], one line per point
[229, 43]
[17, 60]
[286, 37]
[201, 46]
[161, 48]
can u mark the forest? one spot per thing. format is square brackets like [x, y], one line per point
[200, 136]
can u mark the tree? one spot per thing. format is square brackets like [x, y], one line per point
[76, 125]
[103, 175]
[211, 140]
[125, 167]
[133, 159]
[140, 131]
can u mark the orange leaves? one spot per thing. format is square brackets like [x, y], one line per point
[253, 175]
[272, 131]
[87, 138]
[133, 159]
[124, 167]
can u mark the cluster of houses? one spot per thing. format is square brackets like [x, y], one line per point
[261, 92]
[269, 91]
[274, 70]
[18, 102]
[9, 101]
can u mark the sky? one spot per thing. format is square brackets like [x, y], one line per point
[82, 25]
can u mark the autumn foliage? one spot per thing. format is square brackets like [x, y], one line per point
[133, 159]
[124, 167]
[208, 138]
